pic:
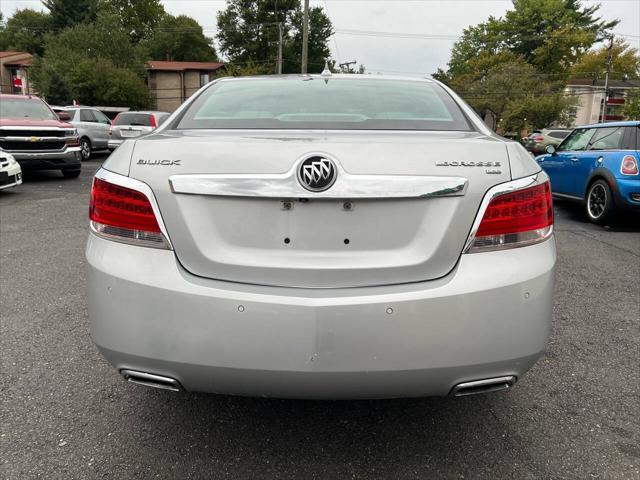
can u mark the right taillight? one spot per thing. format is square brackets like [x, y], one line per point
[539, 138]
[124, 214]
[629, 165]
[514, 219]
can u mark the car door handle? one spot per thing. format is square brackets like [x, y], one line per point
[574, 159]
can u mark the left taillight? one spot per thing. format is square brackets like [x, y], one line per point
[124, 214]
[514, 219]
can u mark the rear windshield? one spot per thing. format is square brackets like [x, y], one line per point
[32, 109]
[312, 102]
[139, 119]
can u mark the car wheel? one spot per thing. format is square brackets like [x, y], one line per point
[71, 173]
[85, 148]
[599, 203]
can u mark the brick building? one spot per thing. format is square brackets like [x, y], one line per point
[14, 73]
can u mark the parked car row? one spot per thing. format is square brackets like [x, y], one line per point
[36, 136]
[97, 132]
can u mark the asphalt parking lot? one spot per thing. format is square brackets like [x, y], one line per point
[66, 414]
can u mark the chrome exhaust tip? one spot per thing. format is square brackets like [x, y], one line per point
[483, 386]
[151, 380]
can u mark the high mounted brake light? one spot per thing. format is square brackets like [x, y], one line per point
[514, 218]
[124, 214]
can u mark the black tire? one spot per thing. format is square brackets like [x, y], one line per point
[85, 148]
[71, 173]
[599, 204]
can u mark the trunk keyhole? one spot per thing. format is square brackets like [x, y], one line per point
[347, 241]
[287, 241]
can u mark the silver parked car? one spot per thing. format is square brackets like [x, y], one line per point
[93, 128]
[134, 124]
[537, 142]
[322, 236]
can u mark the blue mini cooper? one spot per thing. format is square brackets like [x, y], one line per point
[597, 165]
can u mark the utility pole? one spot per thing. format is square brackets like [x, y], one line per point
[279, 64]
[305, 36]
[606, 80]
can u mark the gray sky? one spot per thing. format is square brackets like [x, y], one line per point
[430, 25]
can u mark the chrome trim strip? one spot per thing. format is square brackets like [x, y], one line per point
[41, 153]
[519, 184]
[8, 127]
[129, 182]
[40, 139]
[286, 185]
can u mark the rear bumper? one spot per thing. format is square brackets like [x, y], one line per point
[67, 159]
[628, 193]
[490, 317]
[113, 144]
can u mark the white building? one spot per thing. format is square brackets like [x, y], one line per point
[590, 95]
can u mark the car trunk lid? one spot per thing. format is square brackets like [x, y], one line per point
[400, 210]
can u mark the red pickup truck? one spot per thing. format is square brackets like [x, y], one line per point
[36, 137]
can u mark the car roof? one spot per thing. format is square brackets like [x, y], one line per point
[628, 123]
[146, 112]
[22, 97]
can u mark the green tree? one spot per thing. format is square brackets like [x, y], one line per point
[632, 105]
[625, 62]
[4, 43]
[496, 81]
[66, 13]
[486, 38]
[248, 32]
[139, 18]
[515, 66]
[538, 111]
[551, 35]
[25, 31]
[82, 63]
[181, 38]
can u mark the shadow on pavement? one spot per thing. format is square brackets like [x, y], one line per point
[381, 437]
[625, 221]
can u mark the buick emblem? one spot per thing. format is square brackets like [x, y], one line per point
[317, 174]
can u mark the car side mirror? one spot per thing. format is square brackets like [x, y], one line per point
[550, 149]
[64, 116]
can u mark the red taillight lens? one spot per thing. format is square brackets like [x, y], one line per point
[538, 139]
[629, 165]
[154, 124]
[515, 219]
[124, 214]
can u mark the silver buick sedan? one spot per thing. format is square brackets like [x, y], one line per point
[322, 236]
